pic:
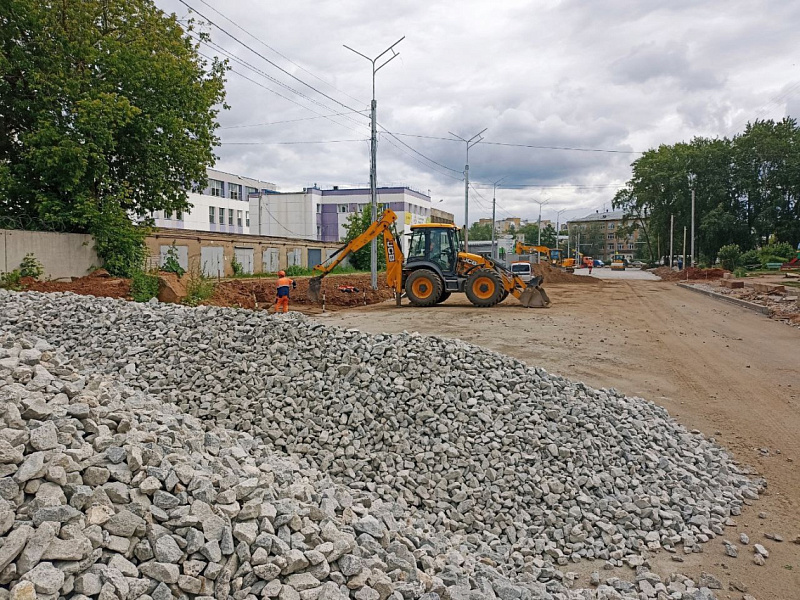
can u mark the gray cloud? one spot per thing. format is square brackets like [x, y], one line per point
[620, 74]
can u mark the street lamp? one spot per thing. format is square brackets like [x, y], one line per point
[558, 223]
[691, 183]
[373, 166]
[494, 205]
[475, 139]
[540, 203]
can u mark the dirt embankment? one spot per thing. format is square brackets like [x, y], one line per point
[555, 275]
[261, 293]
[690, 273]
[99, 283]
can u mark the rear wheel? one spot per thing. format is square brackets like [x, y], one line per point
[484, 288]
[423, 288]
[504, 296]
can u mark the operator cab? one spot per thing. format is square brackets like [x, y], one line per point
[435, 243]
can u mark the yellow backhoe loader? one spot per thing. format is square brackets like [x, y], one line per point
[436, 267]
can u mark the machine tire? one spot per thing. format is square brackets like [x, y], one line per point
[423, 287]
[484, 288]
[443, 296]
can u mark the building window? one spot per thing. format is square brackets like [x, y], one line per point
[611, 236]
[611, 246]
[620, 246]
[630, 246]
[611, 225]
[343, 208]
[211, 211]
[319, 231]
[230, 216]
[251, 190]
[247, 218]
[216, 187]
[235, 193]
[319, 208]
[168, 214]
[238, 218]
[179, 216]
[221, 216]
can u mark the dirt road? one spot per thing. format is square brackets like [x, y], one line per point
[731, 373]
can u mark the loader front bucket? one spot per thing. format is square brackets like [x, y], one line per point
[314, 287]
[534, 296]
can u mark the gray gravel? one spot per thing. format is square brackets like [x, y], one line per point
[214, 452]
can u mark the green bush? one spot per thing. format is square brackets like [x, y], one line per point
[171, 263]
[144, 286]
[729, 256]
[740, 272]
[238, 269]
[10, 281]
[297, 271]
[198, 288]
[781, 252]
[751, 258]
[31, 267]
[119, 243]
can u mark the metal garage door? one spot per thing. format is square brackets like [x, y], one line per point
[182, 253]
[293, 257]
[213, 261]
[314, 256]
[244, 256]
[270, 260]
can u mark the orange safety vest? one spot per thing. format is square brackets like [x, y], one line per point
[284, 285]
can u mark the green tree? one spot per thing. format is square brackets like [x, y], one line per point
[358, 223]
[531, 233]
[108, 111]
[478, 232]
[549, 236]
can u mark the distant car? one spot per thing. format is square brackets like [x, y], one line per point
[599, 263]
[637, 263]
[523, 270]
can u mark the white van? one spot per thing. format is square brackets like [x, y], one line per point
[523, 270]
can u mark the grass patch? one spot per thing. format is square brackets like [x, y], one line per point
[144, 286]
[198, 288]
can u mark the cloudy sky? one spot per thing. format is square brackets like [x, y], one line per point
[609, 75]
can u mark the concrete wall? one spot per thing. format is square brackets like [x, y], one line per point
[63, 255]
[194, 241]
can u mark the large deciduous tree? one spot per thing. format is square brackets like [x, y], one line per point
[106, 111]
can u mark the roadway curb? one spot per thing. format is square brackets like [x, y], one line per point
[764, 310]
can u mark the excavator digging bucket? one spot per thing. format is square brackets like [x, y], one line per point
[534, 296]
[314, 287]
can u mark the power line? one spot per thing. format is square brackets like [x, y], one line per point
[263, 43]
[290, 143]
[535, 147]
[257, 53]
[559, 186]
[417, 151]
[292, 120]
[255, 69]
[422, 163]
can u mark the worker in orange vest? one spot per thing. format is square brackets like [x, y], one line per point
[284, 284]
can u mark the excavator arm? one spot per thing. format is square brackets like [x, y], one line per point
[383, 227]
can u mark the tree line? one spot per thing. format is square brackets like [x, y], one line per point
[107, 112]
[746, 192]
[530, 232]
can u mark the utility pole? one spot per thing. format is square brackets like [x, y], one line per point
[540, 203]
[475, 139]
[494, 209]
[692, 261]
[373, 154]
[684, 247]
[671, 237]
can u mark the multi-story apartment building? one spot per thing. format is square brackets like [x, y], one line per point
[504, 225]
[222, 206]
[442, 216]
[603, 234]
[321, 214]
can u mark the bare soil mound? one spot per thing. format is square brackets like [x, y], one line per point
[553, 274]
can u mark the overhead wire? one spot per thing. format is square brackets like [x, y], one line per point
[260, 55]
[255, 69]
[515, 145]
[263, 43]
[289, 120]
[290, 143]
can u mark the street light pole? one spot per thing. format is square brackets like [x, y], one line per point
[691, 183]
[558, 224]
[494, 213]
[475, 139]
[540, 203]
[373, 154]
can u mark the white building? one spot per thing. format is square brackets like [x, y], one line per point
[222, 206]
[322, 214]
